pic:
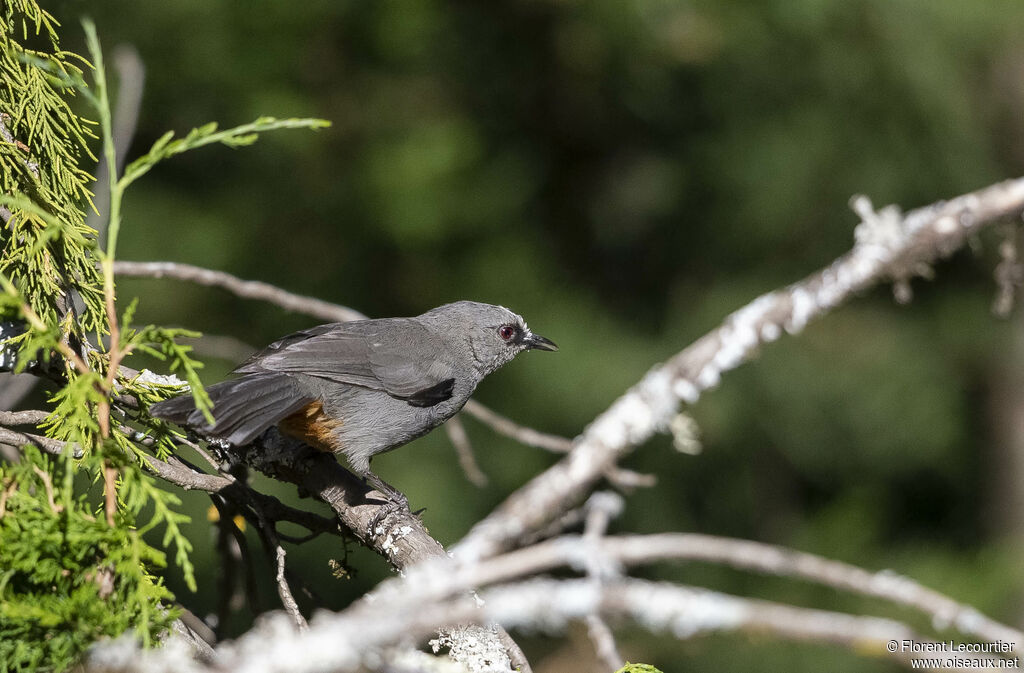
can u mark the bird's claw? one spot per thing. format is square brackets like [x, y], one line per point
[394, 502]
[391, 506]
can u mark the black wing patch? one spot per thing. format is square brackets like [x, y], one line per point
[435, 394]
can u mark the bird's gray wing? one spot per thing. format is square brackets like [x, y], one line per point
[252, 365]
[398, 356]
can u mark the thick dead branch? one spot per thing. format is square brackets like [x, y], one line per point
[889, 246]
[347, 640]
[403, 540]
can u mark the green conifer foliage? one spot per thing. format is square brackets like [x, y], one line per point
[74, 565]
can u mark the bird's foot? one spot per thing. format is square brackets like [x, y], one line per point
[390, 506]
[394, 502]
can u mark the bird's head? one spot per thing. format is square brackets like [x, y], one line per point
[493, 334]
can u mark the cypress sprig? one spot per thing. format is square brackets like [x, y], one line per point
[76, 566]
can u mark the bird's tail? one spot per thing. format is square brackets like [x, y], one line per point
[242, 408]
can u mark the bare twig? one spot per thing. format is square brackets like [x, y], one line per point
[48, 486]
[623, 479]
[236, 579]
[517, 658]
[604, 642]
[464, 450]
[888, 246]
[196, 634]
[404, 541]
[285, 592]
[249, 289]
[442, 583]
[268, 535]
[627, 480]
[203, 453]
[601, 508]
[568, 521]
[5, 493]
[520, 433]
[1009, 273]
[48, 445]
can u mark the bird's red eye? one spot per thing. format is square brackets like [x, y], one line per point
[506, 332]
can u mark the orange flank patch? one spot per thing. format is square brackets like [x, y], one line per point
[313, 426]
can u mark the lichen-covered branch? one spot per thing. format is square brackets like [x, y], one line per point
[888, 246]
[360, 635]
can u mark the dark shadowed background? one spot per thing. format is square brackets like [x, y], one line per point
[623, 174]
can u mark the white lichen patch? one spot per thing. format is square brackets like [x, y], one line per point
[473, 653]
[643, 410]
[770, 332]
[686, 391]
[394, 534]
[802, 310]
[709, 377]
[742, 333]
[149, 378]
[946, 225]
[685, 434]
[687, 612]
[883, 228]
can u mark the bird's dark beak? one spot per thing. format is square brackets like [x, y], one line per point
[537, 342]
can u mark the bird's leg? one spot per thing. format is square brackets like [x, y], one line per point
[395, 500]
[386, 489]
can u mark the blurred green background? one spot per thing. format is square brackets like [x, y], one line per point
[624, 174]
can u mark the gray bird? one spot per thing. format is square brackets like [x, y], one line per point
[364, 387]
